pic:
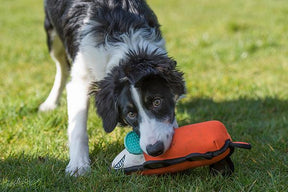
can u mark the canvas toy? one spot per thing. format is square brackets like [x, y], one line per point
[195, 145]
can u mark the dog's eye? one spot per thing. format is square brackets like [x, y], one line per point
[156, 102]
[131, 115]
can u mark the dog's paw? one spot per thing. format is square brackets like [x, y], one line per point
[47, 107]
[77, 168]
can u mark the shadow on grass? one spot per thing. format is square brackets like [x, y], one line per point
[253, 116]
[200, 109]
[21, 172]
[262, 122]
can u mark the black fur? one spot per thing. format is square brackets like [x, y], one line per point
[118, 17]
[114, 17]
[139, 68]
[140, 90]
[67, 18]
[108, 20]
[106, 94]
[141, 64]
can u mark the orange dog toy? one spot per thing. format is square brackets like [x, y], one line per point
[194, 145]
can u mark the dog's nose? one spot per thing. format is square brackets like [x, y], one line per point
[155, 149]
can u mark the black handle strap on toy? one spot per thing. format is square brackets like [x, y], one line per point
[243, 145]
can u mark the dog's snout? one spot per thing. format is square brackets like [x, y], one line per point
[155, 149]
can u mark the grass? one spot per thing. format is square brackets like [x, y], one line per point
[235, 58]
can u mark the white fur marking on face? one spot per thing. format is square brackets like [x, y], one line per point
[151, 129]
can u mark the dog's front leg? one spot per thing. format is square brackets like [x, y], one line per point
[77, 100]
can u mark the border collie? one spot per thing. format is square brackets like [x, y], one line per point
[114, 51]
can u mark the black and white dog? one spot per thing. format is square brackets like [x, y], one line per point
[118, 55]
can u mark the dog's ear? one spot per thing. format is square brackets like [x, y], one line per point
[174, 79]
[106, 102]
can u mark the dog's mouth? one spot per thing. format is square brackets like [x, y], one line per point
[156, 140]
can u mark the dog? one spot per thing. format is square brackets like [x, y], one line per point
[114, 51]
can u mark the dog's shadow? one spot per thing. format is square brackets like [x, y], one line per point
[242, 115]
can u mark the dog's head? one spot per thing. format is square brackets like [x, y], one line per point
[142, 92]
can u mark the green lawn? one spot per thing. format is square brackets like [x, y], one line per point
[235, 58]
